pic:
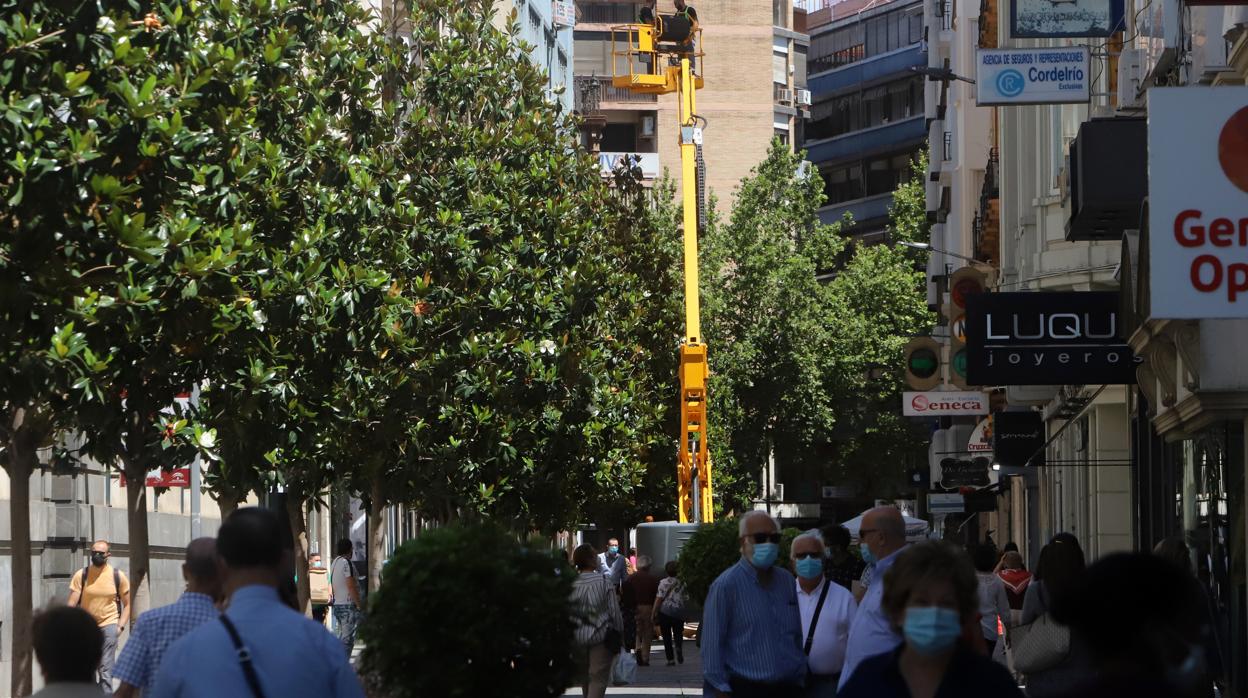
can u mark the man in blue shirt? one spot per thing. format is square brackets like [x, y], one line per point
[751, 628]
[159, 628]
[260, 646]
[882, 535]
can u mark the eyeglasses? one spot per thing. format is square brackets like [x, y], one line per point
[765, 537]
[812, 556]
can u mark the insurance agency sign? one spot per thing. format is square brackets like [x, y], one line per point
[1032, 76]
[1068, 338]
[1198, 202]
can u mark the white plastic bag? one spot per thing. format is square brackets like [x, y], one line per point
[624, 669]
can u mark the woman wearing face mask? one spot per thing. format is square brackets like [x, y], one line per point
[930, 595]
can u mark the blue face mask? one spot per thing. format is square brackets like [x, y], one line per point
[931, 629]
[867, 557]
[614, 549]
[809, 568]
[765, 555]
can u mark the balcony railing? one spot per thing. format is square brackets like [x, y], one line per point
[948, 146]
[606, 92]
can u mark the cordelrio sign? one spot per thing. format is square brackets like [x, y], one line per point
[1198, 202]
[1032, 76]
[944, 403]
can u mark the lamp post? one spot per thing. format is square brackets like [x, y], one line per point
[923, 246]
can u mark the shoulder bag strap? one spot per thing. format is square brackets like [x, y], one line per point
[810, 635]
[82, 586]
[117, 590]
[244, 658]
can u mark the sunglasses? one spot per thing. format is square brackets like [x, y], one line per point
[765, 537]
[812, 556]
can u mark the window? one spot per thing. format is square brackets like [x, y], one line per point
[865, 38]
[875, 106]
[619, 138]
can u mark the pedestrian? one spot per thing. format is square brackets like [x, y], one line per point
[598, 622]
[1140, 618]
[156, 630]
[104, 592]
[1177, 553]
[930, 599]
[1016, 579]
[994, 604]
[827, 609]
[68, 644]
[1059, 572]
[632, 560]
[881, 537]
[639, 593]
[258, 648]
[318, 587]
[751, 629]
[841, 566]
[669, 614]
[612, 564]
[344, 595]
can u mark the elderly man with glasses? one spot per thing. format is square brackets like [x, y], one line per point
[827, 609]
[881, 537]
[751, 629]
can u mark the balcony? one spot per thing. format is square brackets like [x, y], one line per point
[866, 209]
[894, 136]
[607, 13]
[866, 71]
[609, 95]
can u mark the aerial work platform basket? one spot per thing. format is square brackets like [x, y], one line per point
[646, 57]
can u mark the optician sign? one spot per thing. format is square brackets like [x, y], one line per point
[938, 403]
[1032, 75]
[1069, 338]
[1198, 202]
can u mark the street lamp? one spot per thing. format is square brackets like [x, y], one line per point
[923, 246]
[945, 74]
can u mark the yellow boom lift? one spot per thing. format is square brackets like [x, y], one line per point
[662, 58]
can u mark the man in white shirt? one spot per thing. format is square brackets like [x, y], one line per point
[345, 597]
[881, 536]
[827, 609]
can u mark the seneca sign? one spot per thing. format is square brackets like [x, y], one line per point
[943, 404]
[1198, 202]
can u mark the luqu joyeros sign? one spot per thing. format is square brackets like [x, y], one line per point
[1046, 339]
[1198, 202]
[937, 403]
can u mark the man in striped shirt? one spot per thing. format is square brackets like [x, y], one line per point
[751, 628]
[160, 627]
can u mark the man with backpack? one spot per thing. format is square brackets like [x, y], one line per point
[104, 592]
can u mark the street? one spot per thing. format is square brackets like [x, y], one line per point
[658, 679]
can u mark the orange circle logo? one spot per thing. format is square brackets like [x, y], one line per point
[1233, 149]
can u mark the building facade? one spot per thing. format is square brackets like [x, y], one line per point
[754, 72]
[866, 120]
[545, 28]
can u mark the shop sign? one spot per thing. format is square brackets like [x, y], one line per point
[941, 403]
[563, 13]
[1045, 19]
[938, 503]
[647, 162]
[1198, 202]
[981, 438]
[960, 472]
[1018, 437]
[1032, 75]
[1059, 338]
[177, 477]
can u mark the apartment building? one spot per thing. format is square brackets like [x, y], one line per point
[545, 27]
[754, 72]
[866, 120]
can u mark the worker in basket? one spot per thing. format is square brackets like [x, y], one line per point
[679, 28]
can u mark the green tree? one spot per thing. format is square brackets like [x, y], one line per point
[791, 354]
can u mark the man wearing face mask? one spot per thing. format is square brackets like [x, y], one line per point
[104, 592]
[751, 628]
[612, 564]
[881, 537]
[827, 608]
[930, 598]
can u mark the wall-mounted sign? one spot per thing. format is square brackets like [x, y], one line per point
[648, 162]
[1198, 202]
[1067, 338]
[1032, 75]
[962, 472]
[1018, 438]
[1045, 19]
[944, 503]
[938, 403]
[981, 439]
[563, 13]
[177, 477]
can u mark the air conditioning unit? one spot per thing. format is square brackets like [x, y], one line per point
[647, 125]
[1132, 70]
[784, 95]
[803, 98]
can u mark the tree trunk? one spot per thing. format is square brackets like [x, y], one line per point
[136, 520]
[22, 459]
[376, 525]
[228, 504]
[299, 533]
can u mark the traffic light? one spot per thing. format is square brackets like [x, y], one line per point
[964, 282]
[922, 363]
